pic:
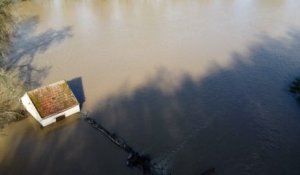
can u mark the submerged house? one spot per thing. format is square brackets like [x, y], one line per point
[51, 103]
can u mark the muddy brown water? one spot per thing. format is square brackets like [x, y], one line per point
[197, 84]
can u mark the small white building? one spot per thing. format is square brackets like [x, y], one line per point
[51, 103]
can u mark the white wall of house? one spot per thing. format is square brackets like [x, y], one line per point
[27, 103]
[52, 119]
[72, 110]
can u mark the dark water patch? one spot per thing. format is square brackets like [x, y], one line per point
[240, 120]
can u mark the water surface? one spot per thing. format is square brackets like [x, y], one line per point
[196, 84]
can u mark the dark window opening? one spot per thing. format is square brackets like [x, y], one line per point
[60, 118]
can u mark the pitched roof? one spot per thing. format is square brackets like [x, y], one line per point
[53, 99]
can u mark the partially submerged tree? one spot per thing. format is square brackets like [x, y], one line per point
[11, 89]
[295, 88]
[11, 86]
[6, 27]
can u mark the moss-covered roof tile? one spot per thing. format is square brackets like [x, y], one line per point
[53, 99]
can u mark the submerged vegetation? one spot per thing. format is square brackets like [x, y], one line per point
[6, 28]
[11, 89]
[11, 85]
[295, 88]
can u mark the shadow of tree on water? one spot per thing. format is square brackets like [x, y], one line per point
[240, 120]
[26, 45]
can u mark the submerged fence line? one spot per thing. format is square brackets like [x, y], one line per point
[134, 159]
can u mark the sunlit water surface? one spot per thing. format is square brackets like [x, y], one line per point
[194, 83]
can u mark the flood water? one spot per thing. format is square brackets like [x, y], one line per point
[195, 84]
